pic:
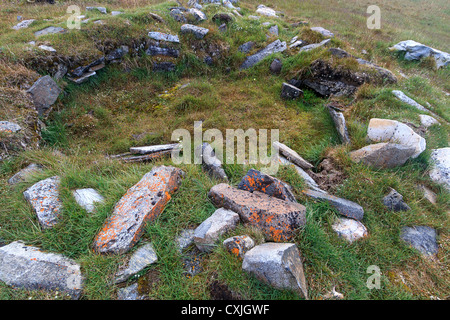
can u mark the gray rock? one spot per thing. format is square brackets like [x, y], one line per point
[220, 222]
[422, 238]
[266, 11]
[44, 93]
[27, 267]
[49, 30]
[417, 51]
[297, 43]
[292, 156]
[276, 66]
[440, 168]
[199, 15]
[116, 13]
[394, 201]
[117, 54]
[277, 264]
[290, 92]
[47, 48]
[178, 15]
[25, 174]
[85, 77]
[273, 30]
[383, 155]
[153, 149]
[246, 47]
[274, 47]
[339, 123]
[158, 51]
[101, 9]
[312, 184]
[130, 292]
[239, 245]
[60, 72]
[314, 45]
[44, 198]
[210, 162]
[345, 207]
[349, 229]
[403, 97]
[23, 24]
[323, 32]
[141, 259]
[87, 198]
[159, 36]
[9, 127]
[198, 32]
[163, 66]
[185, 239]
[427, 121]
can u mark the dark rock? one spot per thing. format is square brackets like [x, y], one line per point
[44, 94]
[246, 47]
[422, 238]
[274, 47]
[394, 201]
[222, 18]
[275, 66]
[290, 92]
[164, 67]
[158, 51]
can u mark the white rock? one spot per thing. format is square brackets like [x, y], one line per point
[266, 11]
[427, 121]
[153, 149]
[23, 24]
[350, 229]
[403, 97]
[47, 48]
[87, 198]
[159, 36]
[323, 32]
[416, 51]
[440, 172]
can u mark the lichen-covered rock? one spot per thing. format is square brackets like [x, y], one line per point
[274, 47]
[27, 267]
[276, 218]
[349, 229]
[198, 32]
[417, 51]
[440, 172]
[44, 198]
[142, 203]
[277, 264]
[422, 238]
[44, 93]
[239, 245]
[394, 201]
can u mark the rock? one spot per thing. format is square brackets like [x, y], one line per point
[417, 51]
[178, 15]
[339, 123]
[47, 48]
[277, 219]
[49, 30]
[23, 24]
[314, 45]
[345, 207]
[428, 194]
[266, 11]
[276, 66]
[44, 198]
[159, 36]
[101, 9]
[239, 245]
[255, 180]
[141, 204]
[85, 77]
[246, 47]
[142, 258]
[210, 162]
[220, 222]
[116, 13]
[87, 198]
[289, 92]
[394, 201]
[292, 156]
[60, 72]
[427, 121]
[117, 54]
[198, 32]
[333, 295]
[158, 51]
[422, 238]
[222, 18]
[9, 127]
[163, 67]
[25, 174]
[44, 93]
[153, 149]
[296, 44]
[254, 17]
[29, 268]
[185, 239]
[440, 167]
[383, 155]
[130, 292]
[323, 32]
[223, 27]
[312, 184]
[274, 47]
[156, 17]
[199, 15]
[384, 130]
[273, 30]
[349, 229]
[277, 264]
[403, 97]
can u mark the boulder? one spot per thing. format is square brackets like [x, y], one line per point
[44, 198]
[276, 218]
[25, 174]
[339, 123]
[417, 51]
[440, 167]
[44, 93]
[255, 180]
[239, 245]
[49, 30]
[29, 268]
[210, 162]
[278, 265]
[141, 258]
[349, 229]
[142, 203]
[87, 198]
[198, 32]
[383, 155]
[345, 207]
[422, 238]
[289, 92]
[220, 222]
[384, 130]
[394, 201]
[274, 47]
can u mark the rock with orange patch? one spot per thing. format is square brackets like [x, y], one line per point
[141, 204]
[277, 219]
[255, 180]
[238, 245]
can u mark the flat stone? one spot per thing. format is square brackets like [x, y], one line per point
[322, 31]
[292, 156]
[345, 207]
[142, 203]
[44, 93]
[440, 170]
[339, 123]
[278, 265]
[159, 36]
[141, 259]
[47, 48]
[255, 180]
[153, 149]
[290, 92]
[349, 229]
[198, 32]
[210, 162]
[394, 201]
[101, 9]
[85, 77]
[23, 24]
[385, 130]
[9, 127]
[239, 245]
[274, 47]
[25, 174]
[87, 198]
[427, 121]
[49, 30]
[422, 238]
[220, 222]
[159, 51]
[130, 292]
[185, 239]
[383, 155]
[276, 218]
[312, 184]
[313, 46]
[296, 44]
[403, 97]
[44, 198]
[29, 268]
